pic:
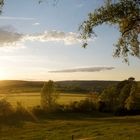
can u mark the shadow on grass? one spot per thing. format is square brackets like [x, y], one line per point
[94, 116]
[75, 116]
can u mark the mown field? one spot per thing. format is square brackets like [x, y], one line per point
[33, 99]
[81, 126]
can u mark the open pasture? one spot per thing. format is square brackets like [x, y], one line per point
[82, 126]
[33, 99]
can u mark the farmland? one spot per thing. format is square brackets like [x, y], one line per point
[62, 125]
[28, 92]
[33, 99]
[16, 86]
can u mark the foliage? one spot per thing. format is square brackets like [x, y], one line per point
[49, 96]
[5, 108]
[121, 99]
[133, 101]
[1, 4]
[21, 113]
[125, 14]
[88, 105]
[83, 106]
[107, 100]
[13, 115]
[39, 112]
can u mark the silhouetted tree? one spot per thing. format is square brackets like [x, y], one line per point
[125, 14]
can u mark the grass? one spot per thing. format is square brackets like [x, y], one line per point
[82, 126]
[61, 126]
[33, 99]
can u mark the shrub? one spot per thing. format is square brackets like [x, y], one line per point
[81, 106]
[12, 116]
[5, 108]
[38, 111]
[23, 114]
[6, 111]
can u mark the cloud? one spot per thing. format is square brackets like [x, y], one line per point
[10, 37]
[36, 24]
[55, 36]
[86, 69]
[15, 18]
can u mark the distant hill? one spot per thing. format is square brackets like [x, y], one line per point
[17, 86]
[84, 86]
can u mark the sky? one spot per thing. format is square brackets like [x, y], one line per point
[40, 42]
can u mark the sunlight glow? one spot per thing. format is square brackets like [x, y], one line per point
[3, 74]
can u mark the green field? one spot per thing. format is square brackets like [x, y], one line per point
[33, 99]
[61, 126]
[83, 127]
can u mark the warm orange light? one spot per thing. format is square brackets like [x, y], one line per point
[3, 74]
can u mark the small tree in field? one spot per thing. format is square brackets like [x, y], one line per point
[48, 95]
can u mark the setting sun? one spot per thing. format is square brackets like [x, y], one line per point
[3, 75]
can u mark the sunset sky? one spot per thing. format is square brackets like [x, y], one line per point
[40, 42]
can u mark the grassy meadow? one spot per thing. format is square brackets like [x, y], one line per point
[33, 99]
[57, 126]
[82, 126]
[61, 126]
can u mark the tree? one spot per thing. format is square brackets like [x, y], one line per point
[48, 95]
[120, 97]
[125, 89]
[1, 4]
[125, 14]
[133, 101]
[109, 97]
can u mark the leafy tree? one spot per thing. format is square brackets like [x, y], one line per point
[125, 89]
[1, 4]
[109, 97]
[133, 101]
[125, 14]
[121, 97]
[48, 95]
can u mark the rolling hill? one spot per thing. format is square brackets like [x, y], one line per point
[17, 86]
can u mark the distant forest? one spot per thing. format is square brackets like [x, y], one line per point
[15, 86]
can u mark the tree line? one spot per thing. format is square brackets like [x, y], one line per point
[120, 99]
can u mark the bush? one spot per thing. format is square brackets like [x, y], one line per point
[101, 106]
[39, 112]
[83, 106]
[5, 108]
[6, 111]
[22, 114]
[12, 116]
